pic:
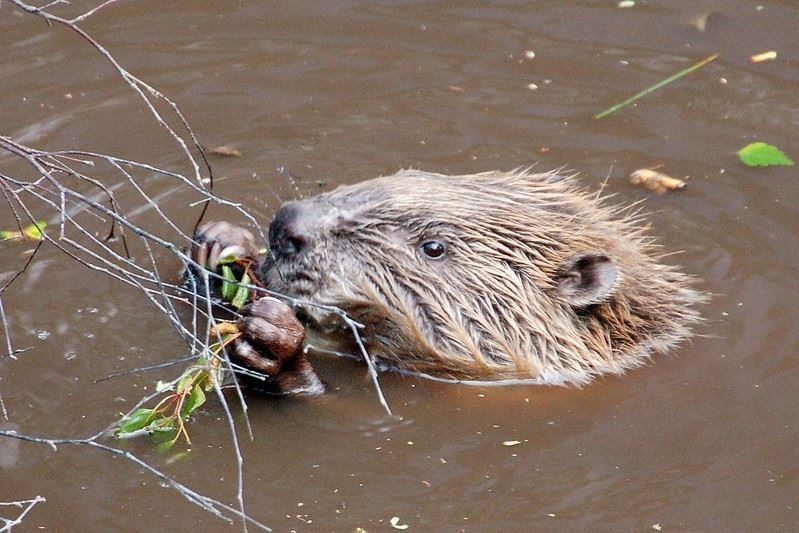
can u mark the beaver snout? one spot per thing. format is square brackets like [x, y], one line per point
[288, 233]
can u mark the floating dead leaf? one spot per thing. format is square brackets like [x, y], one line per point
[700, 21]
[456, 89]
[225, 151]
[771, 55]
[395, 523]
[655, 181]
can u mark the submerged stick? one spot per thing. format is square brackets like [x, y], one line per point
[656, 86]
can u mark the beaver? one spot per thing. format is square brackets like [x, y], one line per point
[485, 276]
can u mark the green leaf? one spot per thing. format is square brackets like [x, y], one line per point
[762, 154]
[162, 386]
[163, 424]
[137, 420]
[242, 294]
[228, 259]
[228, 283]
[32, 232]
[192, 401]
[186, 380]
[35, 231]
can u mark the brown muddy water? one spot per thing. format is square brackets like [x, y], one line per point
[706, 438]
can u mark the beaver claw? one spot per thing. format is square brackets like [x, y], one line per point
[271, 343]
[216, 240]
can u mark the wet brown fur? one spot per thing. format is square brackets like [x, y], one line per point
[492, 307]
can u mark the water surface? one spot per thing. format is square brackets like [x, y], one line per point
[341, 91]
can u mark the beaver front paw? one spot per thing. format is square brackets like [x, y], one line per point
[215, 243]
[271, 344]
[216, 240]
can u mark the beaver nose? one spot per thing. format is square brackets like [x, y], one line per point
[286, 236]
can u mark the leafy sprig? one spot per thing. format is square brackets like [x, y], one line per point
[184, 395]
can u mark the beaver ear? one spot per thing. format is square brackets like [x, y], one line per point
[586, 279]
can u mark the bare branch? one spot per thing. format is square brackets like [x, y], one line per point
[90, 12]
[207, 503]
[26, 505]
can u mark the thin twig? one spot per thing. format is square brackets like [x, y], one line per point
[91, 12]
[26, 505]
[207, 503]
[656, 86]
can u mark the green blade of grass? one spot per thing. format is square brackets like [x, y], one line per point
[656, 86]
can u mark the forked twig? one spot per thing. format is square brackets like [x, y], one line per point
[26, 505]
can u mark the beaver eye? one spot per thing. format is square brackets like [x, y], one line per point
[433, 249]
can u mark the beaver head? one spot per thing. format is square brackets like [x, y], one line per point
[486, 276]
